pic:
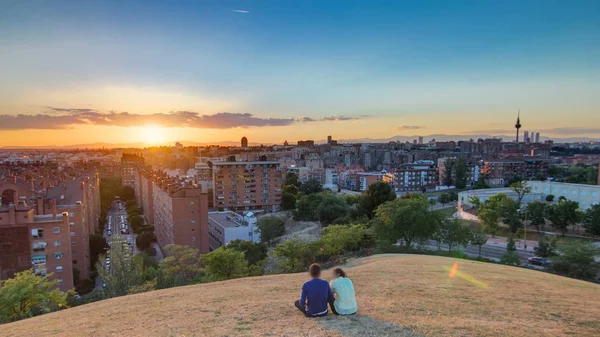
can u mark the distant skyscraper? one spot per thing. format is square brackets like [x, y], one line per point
[420, 140]
[244, 142]
[537, 137]
[328, 139]
[518, 125]
[526, 136]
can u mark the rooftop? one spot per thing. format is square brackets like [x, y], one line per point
[225, 219]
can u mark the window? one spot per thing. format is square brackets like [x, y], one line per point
[37, 233]
[59, 269]
[73, 243]
[58, 255]
[56, 230]
[74, 261]
[71, 214]
[72, 233]
[57, 243]
[59, 281]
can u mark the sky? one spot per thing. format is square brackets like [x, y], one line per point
[79, 72]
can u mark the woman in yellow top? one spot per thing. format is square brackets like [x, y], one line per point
[343, 290]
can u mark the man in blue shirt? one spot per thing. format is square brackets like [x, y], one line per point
[316, 293]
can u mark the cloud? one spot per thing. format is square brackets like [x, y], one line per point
[240, 11]
[65, 118]
[409, 127]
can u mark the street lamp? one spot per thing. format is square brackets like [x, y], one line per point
[525, 232]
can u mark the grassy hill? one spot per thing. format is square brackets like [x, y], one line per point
[398, 295]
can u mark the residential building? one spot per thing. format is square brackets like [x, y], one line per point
[225, 227]
[416, 177]
[129, 165]
[240, 186]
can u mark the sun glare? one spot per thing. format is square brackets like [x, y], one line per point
[152, 134]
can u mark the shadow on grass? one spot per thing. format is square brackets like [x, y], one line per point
[364, 326]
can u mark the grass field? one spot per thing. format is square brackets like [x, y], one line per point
[398, 295]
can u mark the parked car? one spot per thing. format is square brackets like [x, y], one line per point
[538, 261]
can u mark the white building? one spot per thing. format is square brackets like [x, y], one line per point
[224, 227]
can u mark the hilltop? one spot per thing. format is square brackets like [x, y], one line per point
[399, 295]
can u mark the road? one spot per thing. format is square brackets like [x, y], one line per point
[490, 250]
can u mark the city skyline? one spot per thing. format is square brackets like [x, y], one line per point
[206, 72]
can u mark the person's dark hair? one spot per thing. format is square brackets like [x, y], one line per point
[340, 272]
[314, 270]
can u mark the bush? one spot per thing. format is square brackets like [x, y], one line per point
[225, 264]
[293, 256]
[271, 227]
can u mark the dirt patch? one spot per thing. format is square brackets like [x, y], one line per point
[364, 326]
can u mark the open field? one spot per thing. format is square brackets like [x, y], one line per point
[398, 295]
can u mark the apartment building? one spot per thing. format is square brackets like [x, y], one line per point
[416, 177]
[499, 172]
[225, 227]
[129, 166]
[38, 242]
[241, 186]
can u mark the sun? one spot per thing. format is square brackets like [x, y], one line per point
[152, 134]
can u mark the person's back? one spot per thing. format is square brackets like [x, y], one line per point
[345, 297]
[316, 294]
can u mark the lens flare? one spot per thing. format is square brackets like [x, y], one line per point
[453, 272]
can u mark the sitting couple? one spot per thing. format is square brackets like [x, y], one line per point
[317, 293]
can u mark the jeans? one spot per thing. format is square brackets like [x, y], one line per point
[303, 309]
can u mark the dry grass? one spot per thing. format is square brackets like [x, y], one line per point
[409, 291]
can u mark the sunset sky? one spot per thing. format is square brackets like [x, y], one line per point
[75, 72]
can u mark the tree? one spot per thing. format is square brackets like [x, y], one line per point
[406, 220]
[290, 189]
[122, 274]
[480, 184]
[145, 240]
[340, 239]
[288, 201]
[454, 233]
[478, 239]
[98, 246]
[291, 178]
[27, 294]
[511, 257]
[271, 227]
[591, 221]
[375, 195]
[447, 177]
[521, 188]
[546, 246]
[182, 263]
[331, 208]
[128, 193]
[136, 222]
[253, 252]
[577, 259]
[536, 214]
[461, 173]
[563, 214]
[550, 198]
[489, 219]
[225, 264]
[306, 206]
[444, 198]
[311, 186]
[293, 255]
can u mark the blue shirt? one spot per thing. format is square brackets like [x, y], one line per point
[315, 296]
[345, 302]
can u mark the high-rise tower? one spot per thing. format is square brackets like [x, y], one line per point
[518, 124]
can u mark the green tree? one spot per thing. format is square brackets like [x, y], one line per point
[253, 252]
[577, 259]
[550, 198]
[461, 173]
[454, 234]
[444, 198]
[98, 246]
[136, 222]
[546, 246]
[290, 189]
[293, 256]
[27, 294]
[225, 264]
[563, 214]
[521, 188]
[448, 176]
[181, 264]
[128, 193]
[480, 184]
[406, 220]
[122, 273]
[145, 240]
[288, 201]
[375, 195]
[306, 206]
[340, 239]
[490, 219]
[511, 257]
[311, 186]
[536, 214]
[331, 208]
[478, 238]
[271, 227]
[291, 178]
[591, 221]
